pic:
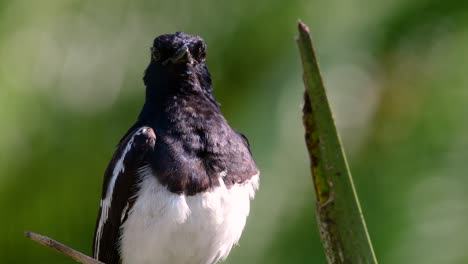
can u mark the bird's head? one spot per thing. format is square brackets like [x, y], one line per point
[177, 58]
[178, 49]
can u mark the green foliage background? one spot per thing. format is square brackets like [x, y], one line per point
[70, 86]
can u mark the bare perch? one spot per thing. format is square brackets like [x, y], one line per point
[64, 249]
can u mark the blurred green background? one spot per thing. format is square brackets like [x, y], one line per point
[71, 84]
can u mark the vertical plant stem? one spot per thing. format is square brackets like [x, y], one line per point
[341, 223]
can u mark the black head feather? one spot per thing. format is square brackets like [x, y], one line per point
[177, 58]
[166, 45]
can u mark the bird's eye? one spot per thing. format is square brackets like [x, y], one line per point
[202, 51]
[155, 54]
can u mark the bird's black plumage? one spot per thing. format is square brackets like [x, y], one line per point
[180, 135]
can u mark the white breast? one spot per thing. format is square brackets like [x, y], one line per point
[167, 228]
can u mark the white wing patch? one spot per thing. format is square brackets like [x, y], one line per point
[223, 174]
[106, 202]
[124, 213]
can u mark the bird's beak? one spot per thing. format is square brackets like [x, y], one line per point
[181, 55]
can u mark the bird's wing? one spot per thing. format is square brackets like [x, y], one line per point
[119, 189]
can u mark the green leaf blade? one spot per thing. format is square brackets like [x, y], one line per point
[340, 219]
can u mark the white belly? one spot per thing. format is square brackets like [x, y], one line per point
[167, 228]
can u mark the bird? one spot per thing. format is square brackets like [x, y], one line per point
[179, 185]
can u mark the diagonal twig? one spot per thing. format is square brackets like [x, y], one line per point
[64, 249]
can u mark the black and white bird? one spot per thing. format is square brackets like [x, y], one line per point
[178, 188]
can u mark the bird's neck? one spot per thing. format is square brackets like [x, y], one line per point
[162, 84]
[189, 108]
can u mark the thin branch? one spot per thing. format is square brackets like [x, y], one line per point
[339, 216]
[66, 250]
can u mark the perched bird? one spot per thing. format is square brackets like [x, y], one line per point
[178, 188]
